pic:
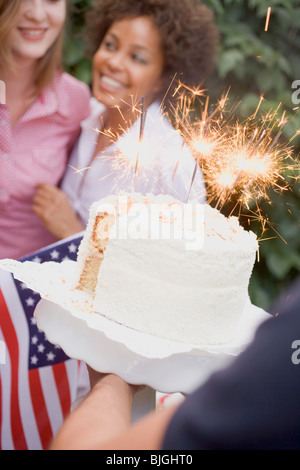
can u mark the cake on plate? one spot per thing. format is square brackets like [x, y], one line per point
[162, 267]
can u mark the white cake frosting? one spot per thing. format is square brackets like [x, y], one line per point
[179, 271]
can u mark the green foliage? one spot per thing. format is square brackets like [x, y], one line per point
[279, 257]
[252, 63]
[75, 58]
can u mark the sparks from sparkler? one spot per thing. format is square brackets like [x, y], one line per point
[265, 223]
[141, 137]
[204, 138]
[242, 160]
[133, 159]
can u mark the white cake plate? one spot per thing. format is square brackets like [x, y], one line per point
[138, 358]
[66, 318]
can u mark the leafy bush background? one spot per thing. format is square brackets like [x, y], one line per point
[252, 63]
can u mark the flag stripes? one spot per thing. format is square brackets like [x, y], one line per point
[38, 382]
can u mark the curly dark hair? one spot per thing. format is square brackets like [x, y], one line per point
[189, 35]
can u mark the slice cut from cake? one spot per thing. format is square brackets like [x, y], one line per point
[94, 254]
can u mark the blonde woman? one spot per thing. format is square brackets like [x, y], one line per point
[40, 112]
[41, 118]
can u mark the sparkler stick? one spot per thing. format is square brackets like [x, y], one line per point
[181, 149]
[206, 120]
[141, 136]
[142, 128]
[184, 110]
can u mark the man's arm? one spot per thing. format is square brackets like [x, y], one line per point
[103, 421]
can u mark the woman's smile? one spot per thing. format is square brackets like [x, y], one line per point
[35, 34]
[38, 25]
[109, 83]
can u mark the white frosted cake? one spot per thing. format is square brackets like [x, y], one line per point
[174, 270]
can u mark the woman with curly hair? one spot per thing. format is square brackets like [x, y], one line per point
[140, 50]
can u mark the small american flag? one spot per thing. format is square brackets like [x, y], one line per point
[38, 382]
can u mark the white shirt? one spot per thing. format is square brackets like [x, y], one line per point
[165, 165]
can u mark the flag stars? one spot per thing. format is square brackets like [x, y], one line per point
[34, 340]
[30, 302]
[54, 254]
[23, 286]
[41, 352]
[50, 356]
[41, 348]
[34, 360]
[72, 248]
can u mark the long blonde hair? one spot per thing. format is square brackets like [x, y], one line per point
[47, 66]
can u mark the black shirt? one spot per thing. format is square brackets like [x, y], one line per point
[255, 402]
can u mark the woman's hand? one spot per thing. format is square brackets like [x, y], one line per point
[52, 206]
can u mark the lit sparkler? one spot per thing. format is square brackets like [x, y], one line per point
[242, 160]
[202, 136]
[142, 128]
